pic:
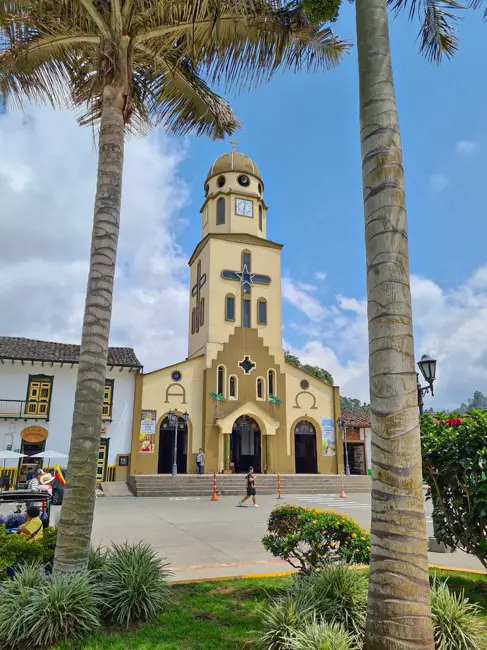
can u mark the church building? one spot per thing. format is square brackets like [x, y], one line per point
[234, 395]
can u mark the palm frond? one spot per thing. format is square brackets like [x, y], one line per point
[437, 35]
[160, 53]
[244, 44]
[180, 99]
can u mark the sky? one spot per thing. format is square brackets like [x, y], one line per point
[302, 131]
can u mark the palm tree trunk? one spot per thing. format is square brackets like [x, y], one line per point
[399, 613]
[74, 533]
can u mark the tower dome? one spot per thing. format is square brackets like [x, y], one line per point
[234, 161]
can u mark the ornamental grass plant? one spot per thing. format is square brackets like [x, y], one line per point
[456, 621]
[334, 596]
[133, 584]
[318, 635]
[41, 612]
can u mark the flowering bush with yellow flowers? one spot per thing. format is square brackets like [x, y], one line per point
[311, 538]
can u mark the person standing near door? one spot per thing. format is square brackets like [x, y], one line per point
[200, 462]
[251, 492]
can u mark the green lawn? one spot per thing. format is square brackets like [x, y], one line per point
[225, 615]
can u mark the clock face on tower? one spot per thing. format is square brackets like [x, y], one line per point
[243, 207]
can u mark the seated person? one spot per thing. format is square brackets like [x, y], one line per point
[33, 527]
[42, 482]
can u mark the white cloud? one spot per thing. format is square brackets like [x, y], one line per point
[299, 295]
[465, 147]
[438, 182]
[47, 185]
[449, 325]
[320, 276]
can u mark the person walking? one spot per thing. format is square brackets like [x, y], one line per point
[250, 489]
[200, 462]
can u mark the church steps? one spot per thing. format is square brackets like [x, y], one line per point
[190, 485]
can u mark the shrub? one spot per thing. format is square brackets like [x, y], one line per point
[318, 635]
[334, 595]
[133, 583]
[96, 562]
[456, 624]
[15, 549]
[284, 616]
[36, 611]
[309, 539]
[454, 453]
[339, 596]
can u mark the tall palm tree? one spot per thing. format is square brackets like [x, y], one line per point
[399, 613]
[133, 64]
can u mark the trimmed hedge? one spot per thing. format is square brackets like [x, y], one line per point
[310, 538]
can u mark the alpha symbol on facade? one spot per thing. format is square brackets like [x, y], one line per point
[198, 313]
[247, 365]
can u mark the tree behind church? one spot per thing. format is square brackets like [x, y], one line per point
[132, 64]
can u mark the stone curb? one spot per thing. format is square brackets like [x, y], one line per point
[256, 576]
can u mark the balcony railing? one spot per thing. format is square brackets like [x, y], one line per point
[15, 409]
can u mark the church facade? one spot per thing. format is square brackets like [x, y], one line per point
[234, 395]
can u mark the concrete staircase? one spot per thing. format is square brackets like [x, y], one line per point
[189, 485]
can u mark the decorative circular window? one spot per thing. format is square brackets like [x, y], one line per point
[304, 383]
[207, 189]
[176, 375]
[220, 181]
[244, 180]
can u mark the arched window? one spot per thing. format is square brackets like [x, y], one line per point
[260, 388]
[262, 311]
[220, 380]
[232, 387]
[260, 217]
[220, 211]
[272, 382]
[230, 307]
[246, 260]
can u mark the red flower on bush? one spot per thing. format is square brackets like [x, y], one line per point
[453, 422]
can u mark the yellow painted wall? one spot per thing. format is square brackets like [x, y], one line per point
[219, 255]
[161, 393]
[231, 191]
[316, 402]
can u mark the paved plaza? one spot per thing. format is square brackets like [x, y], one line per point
[205, 539]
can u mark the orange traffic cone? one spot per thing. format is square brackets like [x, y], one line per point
[343, 494]
[214, 496]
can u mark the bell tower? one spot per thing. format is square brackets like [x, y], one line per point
[235, 271]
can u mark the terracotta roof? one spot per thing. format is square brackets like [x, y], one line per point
[361, 419]
[22, 349]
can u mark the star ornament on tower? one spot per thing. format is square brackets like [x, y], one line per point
[246, 278]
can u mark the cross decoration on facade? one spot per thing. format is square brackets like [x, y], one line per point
[246, 278]
[198, 313]
[234, 144]
[247, 365]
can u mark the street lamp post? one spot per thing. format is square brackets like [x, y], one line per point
[342, 425]
[174, 421]
[427, 365]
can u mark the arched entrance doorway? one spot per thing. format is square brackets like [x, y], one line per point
[166, 447]
[305, 448]
[245, 444]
